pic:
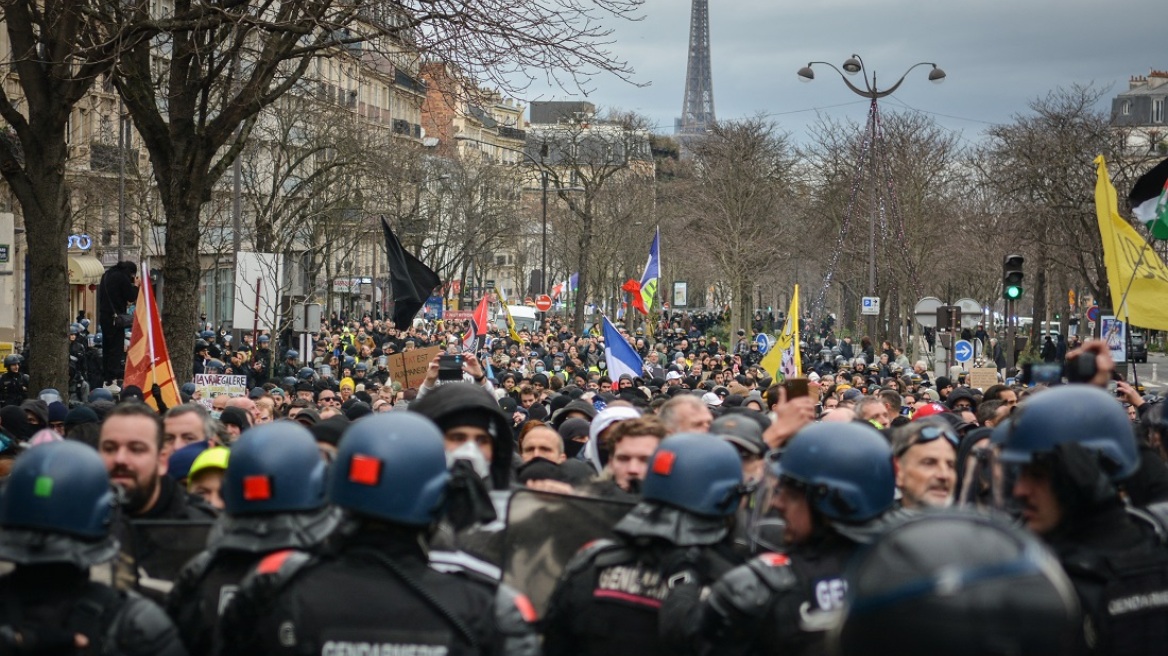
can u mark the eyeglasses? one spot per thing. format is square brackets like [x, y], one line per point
[326, 399]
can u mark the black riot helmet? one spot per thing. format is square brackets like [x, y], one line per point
[958, 584]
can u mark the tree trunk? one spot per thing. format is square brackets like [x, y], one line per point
[582, 266]
[183, 202]
[40, 189]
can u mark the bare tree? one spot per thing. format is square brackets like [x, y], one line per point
[195, 94]
[58, 48]
[1042, 167]
[739, 203]
[582, 157]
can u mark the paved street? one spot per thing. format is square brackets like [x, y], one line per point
[1154, 374]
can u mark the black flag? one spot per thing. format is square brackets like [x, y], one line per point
[412, 280]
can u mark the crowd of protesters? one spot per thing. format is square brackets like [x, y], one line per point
[747, 498]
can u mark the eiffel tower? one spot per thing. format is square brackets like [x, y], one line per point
[697, 109]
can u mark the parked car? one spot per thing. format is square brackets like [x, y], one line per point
[1137, 351]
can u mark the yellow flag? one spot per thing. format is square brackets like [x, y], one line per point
[783, 361]
[507, 313]
[1130, 260]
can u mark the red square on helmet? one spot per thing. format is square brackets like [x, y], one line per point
[663, 463]
[257, 488]
[365, 470]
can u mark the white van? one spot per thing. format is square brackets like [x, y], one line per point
[525, 318]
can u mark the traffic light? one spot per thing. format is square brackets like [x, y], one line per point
[1012, 277]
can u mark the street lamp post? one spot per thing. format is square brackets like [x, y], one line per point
[543, 151]
[851, 66]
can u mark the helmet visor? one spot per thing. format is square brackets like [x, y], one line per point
[766, 524]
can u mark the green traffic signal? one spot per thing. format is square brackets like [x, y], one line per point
[1013, 292]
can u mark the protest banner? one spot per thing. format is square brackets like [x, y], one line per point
[210, 385]
[409, 367]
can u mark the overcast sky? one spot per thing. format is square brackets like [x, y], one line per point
[998, 54]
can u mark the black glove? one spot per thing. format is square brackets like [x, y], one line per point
[156, 392]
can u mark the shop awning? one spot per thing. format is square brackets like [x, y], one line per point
[85, 270]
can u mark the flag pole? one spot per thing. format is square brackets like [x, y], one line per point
[146, 298]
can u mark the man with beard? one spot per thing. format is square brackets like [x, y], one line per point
[131, 446]
[926, 463]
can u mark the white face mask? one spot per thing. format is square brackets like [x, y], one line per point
[470, 452]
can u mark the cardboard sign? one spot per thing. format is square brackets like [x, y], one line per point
[982, 378]
[409, 367]
[6, 349]
[209, 385]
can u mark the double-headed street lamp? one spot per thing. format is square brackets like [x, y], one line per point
[851, 66]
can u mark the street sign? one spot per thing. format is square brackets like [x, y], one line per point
[764, 344]
[543, 303]
[1093, 313]
[971, 312]
[962, 351]
[926, 311]
[870, 305]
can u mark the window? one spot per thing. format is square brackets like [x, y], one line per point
[1158, 110]
[1126, 108]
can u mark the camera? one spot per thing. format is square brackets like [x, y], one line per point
[450, 367]
[1076, 370]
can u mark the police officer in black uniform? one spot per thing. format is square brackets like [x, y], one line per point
[55, 515]
[14, 382]
[274, 497]
[609, 601]
[958, 584]
[288, 368]
[377, 593]
[1073, 446]
[832, 485]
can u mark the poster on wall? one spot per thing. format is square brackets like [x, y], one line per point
[680, 294]
[1114, 332]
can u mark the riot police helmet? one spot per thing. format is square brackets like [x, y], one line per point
[957, 583]
[391, 467]
[306, 373]
[274, 468]
[291, 354]
[12, 359]
[57, 507]
[1080, 414]
[845, 469]
[75, 329]
[695, 472]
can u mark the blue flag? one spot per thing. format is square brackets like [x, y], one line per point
[620, 356]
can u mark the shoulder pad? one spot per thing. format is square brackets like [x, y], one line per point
[774, 570]
[515, 618]
[1155, 516]
[276, 570]
[460, 562]
[747, 590]
[143, 628]
[592, 551]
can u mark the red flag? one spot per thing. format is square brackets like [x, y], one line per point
[634, 288]
[480, 317]
[148, 361]
[478, 327]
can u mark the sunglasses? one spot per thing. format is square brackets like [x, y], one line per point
[929, 434]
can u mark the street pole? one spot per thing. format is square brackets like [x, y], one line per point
[543, 287]
[121, 177]
[853, 65]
